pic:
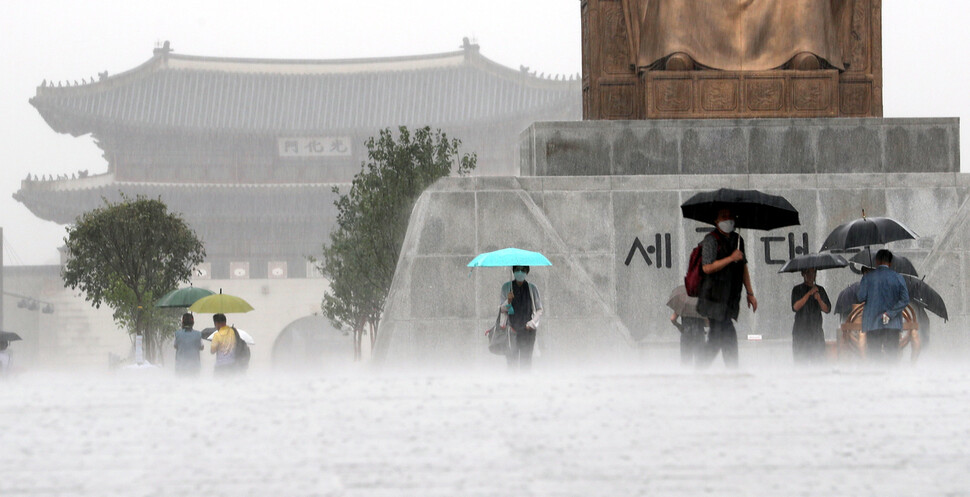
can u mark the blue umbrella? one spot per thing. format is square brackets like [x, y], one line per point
[509, 257]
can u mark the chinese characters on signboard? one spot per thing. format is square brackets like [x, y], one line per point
[320, 146]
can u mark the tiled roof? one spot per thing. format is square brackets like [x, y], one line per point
[251, 95]
[61, 201]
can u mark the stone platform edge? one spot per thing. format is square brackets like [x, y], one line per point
[741, 146]
[676, 182]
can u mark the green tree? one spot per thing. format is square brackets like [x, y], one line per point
[127, 255]
[372, 219]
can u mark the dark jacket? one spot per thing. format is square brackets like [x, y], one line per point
[720, 295]
[883, 291]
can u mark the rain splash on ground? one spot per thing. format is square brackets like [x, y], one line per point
[760, 431]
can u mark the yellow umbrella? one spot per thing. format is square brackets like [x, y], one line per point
[220, 303]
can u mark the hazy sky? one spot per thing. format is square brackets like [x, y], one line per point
[925, 72]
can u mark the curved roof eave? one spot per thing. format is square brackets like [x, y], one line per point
[80, 109]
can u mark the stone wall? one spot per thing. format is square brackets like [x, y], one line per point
[740, 146]
[603, 294]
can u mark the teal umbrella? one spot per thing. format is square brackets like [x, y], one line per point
[183, 297]
[509, 257]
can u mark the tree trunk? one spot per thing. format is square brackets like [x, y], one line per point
[357, 334]
[147, 344]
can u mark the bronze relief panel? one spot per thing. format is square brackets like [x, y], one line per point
[720, 95]
[764, 94]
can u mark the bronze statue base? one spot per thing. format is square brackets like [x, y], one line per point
[712, 94]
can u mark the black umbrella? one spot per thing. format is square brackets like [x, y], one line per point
[901, 264]
[920, 294]
[753, 209]
[9, 336]
[923, 294]
[847, 298]
[865, 232]
[814, 261]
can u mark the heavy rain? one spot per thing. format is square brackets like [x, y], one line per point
[520, 313]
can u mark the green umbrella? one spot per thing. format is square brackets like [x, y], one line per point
[183, 297]
[220, 303]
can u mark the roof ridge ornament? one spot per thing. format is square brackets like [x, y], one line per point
[164, 49]
[469, 45]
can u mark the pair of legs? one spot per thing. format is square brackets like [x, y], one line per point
[691, 340]
[882, 345]
[521, 355]
[808, 347]
[723, 338]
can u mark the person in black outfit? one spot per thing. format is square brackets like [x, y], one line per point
[524, 315]
[808, 301]
[725, 273]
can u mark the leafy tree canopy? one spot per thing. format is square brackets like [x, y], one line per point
[128, 254]
[372, 220]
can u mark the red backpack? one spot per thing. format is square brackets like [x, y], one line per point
[695, 271]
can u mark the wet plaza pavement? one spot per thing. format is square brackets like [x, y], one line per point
[775, 431]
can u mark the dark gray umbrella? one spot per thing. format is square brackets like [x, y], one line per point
[9, 336]
[814, 261]
[921, 295]
[753, 209]
[901, 264]
[865, 232]
[924, 295]
[847, 298]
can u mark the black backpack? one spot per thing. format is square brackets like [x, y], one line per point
[242, 350]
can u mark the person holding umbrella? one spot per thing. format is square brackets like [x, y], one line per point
[5, 338]
[188, 344]
[691, 326]
[524, 307]
[4, 357]
[808, 300]
[725, 272]
[885, 295]
[723, 264]
[223, 346]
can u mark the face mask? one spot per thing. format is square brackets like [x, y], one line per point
[726, 226]
[519, 276]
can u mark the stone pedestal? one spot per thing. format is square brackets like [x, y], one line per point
[601, 200]
[740, 146]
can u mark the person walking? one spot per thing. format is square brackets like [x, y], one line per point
[691, 325]
[885, 295]
[808, 301]
[691, 338]
[524, 307]
[725, 271]
[188, 345]
[4, 358]
[223, 346]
